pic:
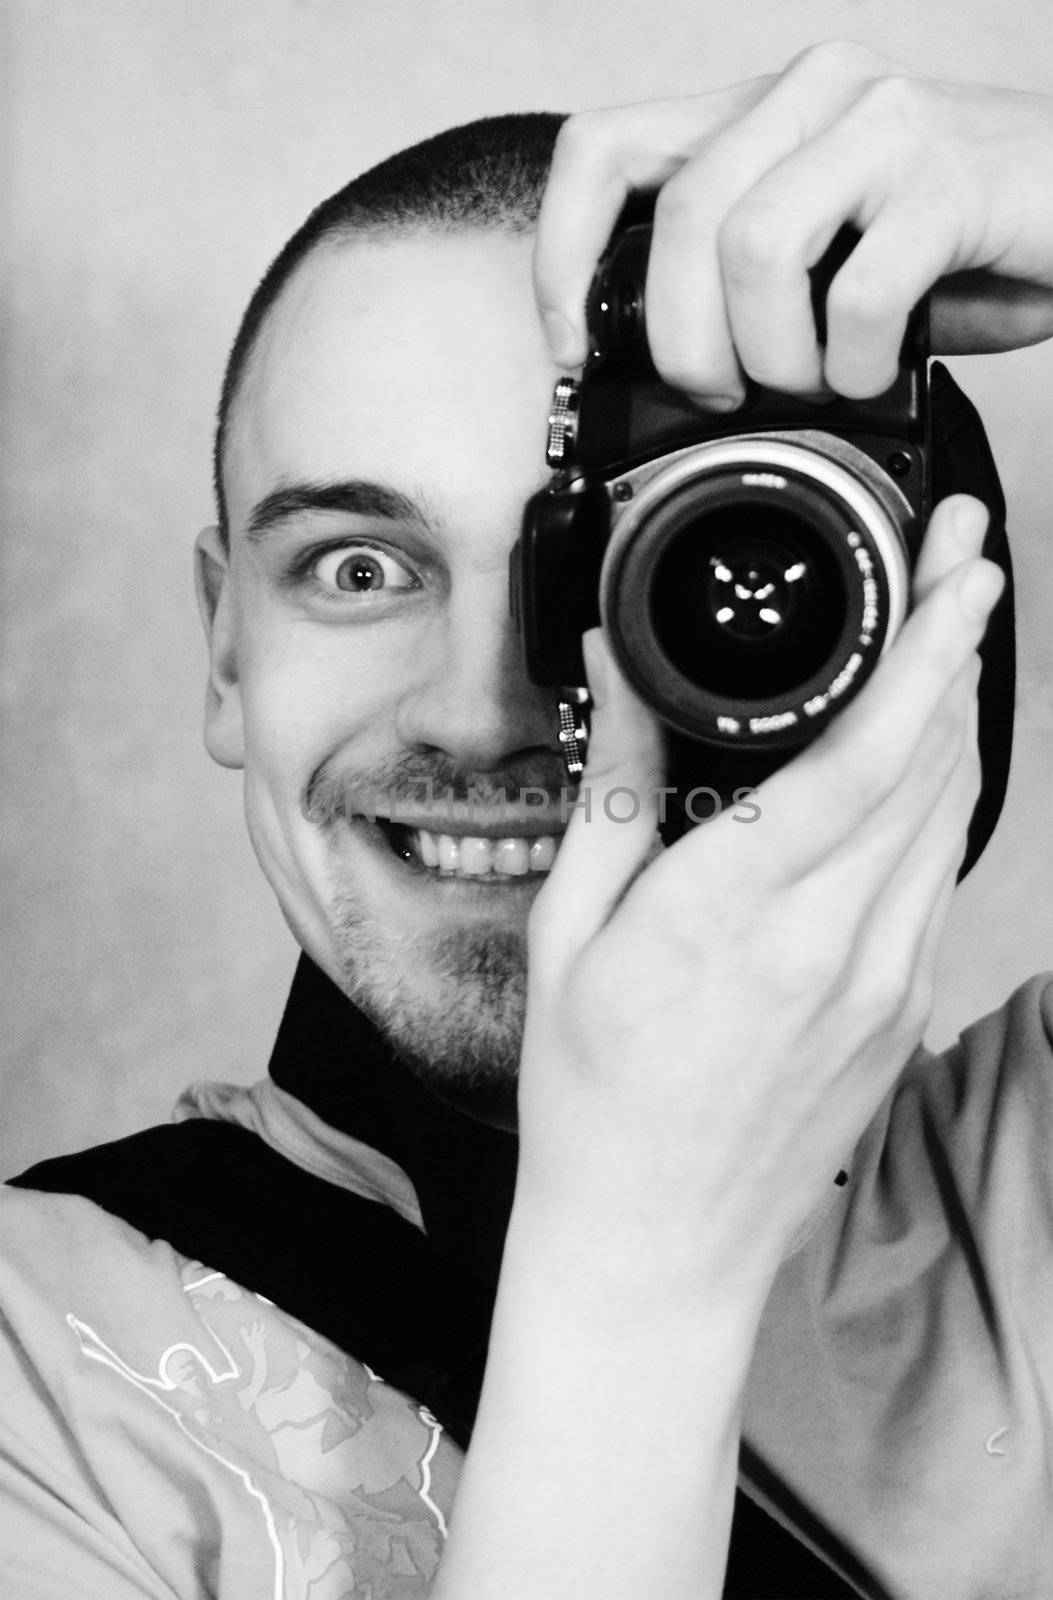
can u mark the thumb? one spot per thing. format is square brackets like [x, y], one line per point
[613, 828]
[977, 312]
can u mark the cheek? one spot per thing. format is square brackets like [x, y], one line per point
[310, 689]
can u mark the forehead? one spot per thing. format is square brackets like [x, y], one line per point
[415, 360]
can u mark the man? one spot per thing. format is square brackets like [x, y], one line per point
[245, 1351]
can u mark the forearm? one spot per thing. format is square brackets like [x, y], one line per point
[604, 1457]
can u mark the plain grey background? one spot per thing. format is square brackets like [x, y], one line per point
[157, 153]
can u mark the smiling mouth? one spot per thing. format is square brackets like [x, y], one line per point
[471, 857]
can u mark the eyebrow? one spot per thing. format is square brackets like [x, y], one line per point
[357, 496]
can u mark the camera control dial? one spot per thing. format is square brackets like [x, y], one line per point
[562, 422]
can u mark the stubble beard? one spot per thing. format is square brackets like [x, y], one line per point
[450, 998]
[451, 1001]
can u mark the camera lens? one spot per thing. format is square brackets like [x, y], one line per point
[748, 601]
[751, 584]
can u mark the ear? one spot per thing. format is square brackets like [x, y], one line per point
[224, 726]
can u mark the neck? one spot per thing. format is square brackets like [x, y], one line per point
[460, 1155]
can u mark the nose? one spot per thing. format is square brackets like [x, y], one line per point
[471, 697]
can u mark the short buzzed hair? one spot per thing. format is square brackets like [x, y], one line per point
[485, 174]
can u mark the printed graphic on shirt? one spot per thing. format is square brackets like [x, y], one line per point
[348, 1481]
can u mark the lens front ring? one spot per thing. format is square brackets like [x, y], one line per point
[854, 517]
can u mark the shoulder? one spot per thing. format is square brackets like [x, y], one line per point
[996, 1081]
[83, 1300]
[55, 1244]
[962, 1150]
[68, 1269]
[160, 1412]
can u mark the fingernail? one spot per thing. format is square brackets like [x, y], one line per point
[562, 340]
[970, 524]
[718, 402]
[979, 588]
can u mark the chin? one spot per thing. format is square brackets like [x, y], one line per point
[436, 960]
[450, 1000]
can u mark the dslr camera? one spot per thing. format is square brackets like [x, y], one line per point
[749, 570]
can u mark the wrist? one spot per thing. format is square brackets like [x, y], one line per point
[594, 1377]
[634, 1287]
[632, 1251]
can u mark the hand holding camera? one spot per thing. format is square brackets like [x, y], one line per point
[753, 572]
[749, 553]
[725, 1017]
[950, 185]
[749, 571]
[708, 1032]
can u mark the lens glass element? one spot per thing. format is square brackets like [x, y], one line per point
[748, 600]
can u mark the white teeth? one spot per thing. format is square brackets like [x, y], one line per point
[477, 857]
[472, 857]
[512, 857]
[542, 854]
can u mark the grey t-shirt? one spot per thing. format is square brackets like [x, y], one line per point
[165, 1432]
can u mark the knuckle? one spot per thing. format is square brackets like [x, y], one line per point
[581, 139]
[835, 58]
[893, 95]
[754, 243]
[676, 208]
[883, 998]
[861, 297]
[675, 366]
[859, 778]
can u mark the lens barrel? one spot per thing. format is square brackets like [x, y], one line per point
[751, 584]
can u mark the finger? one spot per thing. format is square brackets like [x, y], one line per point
[773, 236]
[916, 808]
[820, 801]
[721, 260]
[903, 934]
[780, 228]
[601, 157]
[977, 312]
[871, 902]
[907, 246]
[613, 827]
[810, 845]
[688, 330]
[689, 326]
[931, 936]
[955, 534]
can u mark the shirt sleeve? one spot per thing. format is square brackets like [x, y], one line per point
[59, 1537]
[165, 1432]
[900, 1407]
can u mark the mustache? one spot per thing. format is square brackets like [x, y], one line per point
[337, 789]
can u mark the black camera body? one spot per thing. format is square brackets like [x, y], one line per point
[748, 569]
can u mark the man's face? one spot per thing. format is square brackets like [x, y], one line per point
[390, 428]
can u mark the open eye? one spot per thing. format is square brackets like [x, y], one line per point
[361, 569]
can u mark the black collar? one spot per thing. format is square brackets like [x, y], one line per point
[333, 1059]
